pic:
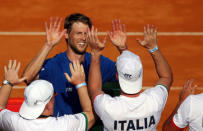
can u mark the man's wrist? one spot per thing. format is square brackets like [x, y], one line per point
[121, 49]
[81, 85]
[6, 82]
[154, 49]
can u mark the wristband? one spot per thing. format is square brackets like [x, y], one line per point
[80, 85]
[6, 82]
[153, 50]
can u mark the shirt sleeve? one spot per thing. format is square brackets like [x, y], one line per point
[44, 72]
[108, 69]
[76, 122]
[5, 120]
[160, 94]
[99, 104]
[181, 118]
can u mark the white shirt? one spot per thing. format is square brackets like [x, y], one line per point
[11, 121]
[126, 113]
[190, 113]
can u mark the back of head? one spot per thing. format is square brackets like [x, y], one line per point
[130, 72]
[76, 17]
[37, 95]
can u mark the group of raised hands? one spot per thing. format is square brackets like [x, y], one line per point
[118, 37]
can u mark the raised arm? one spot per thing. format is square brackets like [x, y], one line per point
[162, 67]
[187, 90]
[10, 79]
[94, 77]
[78, 79]
[53, 36]
[118, 35]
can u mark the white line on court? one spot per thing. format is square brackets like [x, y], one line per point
[104, 33]
[145, 87]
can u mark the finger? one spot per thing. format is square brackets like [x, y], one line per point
[148, 29]
[75, 66]
[82, 69]
[92, 34]
[55, 23]
[59, 25]
[67, 76]
[190, 82]
[62, 33]
[104, 41]
[5, 69]
[194, 89]
[14, 65]
[152, 29]
[124, 28]
[119, 25]
[186, 85]
[71, 68]
[88, 34]
[113, 26]
[22, 79]
[96, 35]
[9, 64]
[139, 41]
[18, 67]
[46, 27]
[145, 32]
[155, 32]
[50, 24]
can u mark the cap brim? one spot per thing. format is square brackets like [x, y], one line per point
[130, 87]
[31, 112]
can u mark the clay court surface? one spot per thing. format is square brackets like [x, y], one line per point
[180, 26]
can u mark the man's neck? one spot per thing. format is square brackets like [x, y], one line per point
[130, 95]
[73, 56]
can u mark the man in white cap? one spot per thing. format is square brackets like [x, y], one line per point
[133, 109]
[37, 109]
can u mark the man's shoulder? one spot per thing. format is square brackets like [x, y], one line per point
[102, 58]
[57, 58]
[6, 114]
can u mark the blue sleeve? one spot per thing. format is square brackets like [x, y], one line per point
[44, 72]
[108, 70]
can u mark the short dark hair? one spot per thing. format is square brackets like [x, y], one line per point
[76, 17]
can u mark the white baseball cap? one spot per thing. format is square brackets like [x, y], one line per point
[37, 95]
[130, 72]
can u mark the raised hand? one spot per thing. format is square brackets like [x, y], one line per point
[150, 37]
[78, 74]
[118, 35]
[187, 90]
[53, 33]
[95, 44]
[11, 72]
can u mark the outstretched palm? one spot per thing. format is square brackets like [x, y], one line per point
[150, 37]
[11, 72]
[118, 35]
[95, 43]
[77, 73]
[53, 34]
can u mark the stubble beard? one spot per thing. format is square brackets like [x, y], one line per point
[76, 50]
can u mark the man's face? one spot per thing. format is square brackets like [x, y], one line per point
[77, 38]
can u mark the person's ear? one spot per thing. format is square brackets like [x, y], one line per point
[66, 35]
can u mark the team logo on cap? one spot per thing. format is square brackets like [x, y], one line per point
[128, 76]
